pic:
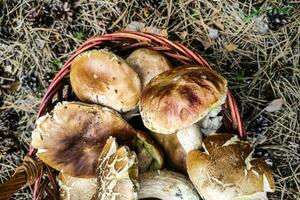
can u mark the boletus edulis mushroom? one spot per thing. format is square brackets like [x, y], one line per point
[74, 188]
[180, 97]
[117, 177]
[148, 64]
[117, 173]
[71, 137]
[101, 77]
[227, 171]
[177, 145]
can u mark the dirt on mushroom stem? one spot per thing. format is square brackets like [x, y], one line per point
[263, 67]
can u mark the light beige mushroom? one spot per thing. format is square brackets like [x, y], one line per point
[71, 137]
[180, 97]
[74, 188]
[101, 77]
[118, 175]
[227, 171]
[148, 64]
[166, 185]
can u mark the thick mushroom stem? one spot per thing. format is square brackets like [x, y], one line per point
[166, 185]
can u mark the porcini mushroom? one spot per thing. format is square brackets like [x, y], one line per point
[70, 138]
[101, 77]
[226, 170]
[166, 185]
[118, 175]
[149, 154]
[148, 64]
[180, 97]
[178, 145]
[76, 188]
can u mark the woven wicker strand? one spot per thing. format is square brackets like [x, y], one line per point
[25, 174]
[43, 177]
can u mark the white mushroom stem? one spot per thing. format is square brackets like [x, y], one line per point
[190, 138]
[166, 185]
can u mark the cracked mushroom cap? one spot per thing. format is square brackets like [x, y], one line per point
[180, 97]
[101, 77]
[227, 171]
[148, 64]
[117, 173]
[71, 137]
[150, 155]
[76, 188]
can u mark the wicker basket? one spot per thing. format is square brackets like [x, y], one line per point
[40, 177]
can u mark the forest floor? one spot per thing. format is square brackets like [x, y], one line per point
[254, 43]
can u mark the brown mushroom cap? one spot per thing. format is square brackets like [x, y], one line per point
[150, 155]
[181, 97]
[76, 188]
[101, 77]
[117, 173]
[148, 64]
[70, 138]
[226, 169]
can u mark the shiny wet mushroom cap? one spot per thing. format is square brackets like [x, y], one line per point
[71, 137]
[148, 64]
[117, 173]
[226, 170]
[101, 77]
[76, 188]
[180, 97]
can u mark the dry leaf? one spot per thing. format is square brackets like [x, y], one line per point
[140, 26]
[231, 47]
[15, 86]
[275, 105]
[206, 42]
[182, 34]
[135, 26]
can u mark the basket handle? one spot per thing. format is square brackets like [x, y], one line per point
[25, 175]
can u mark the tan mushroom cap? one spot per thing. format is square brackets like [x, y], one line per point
[150, 155]
[102, 77]
[71, 137]
[227, 171]
[148, 64]
[117, 173]
[76, 188]
[180, 97]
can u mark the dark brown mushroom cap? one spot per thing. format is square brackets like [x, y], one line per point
[71, 136]
[148, 64]
[145, 143]
[104, 78]
[226, 169]
[180, 97]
